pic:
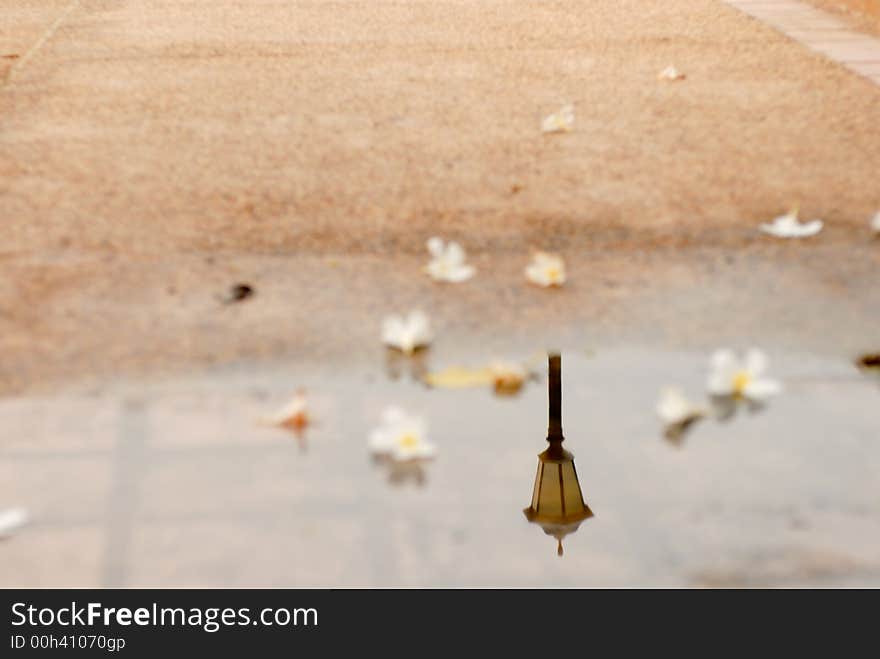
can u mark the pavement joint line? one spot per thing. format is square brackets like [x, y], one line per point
[50, 31]
[129, 469]
[788, 16]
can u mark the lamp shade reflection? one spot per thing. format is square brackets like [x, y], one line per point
[557, 506]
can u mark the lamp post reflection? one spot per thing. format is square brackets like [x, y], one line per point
[557, 503]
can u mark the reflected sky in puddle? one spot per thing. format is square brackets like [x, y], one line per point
[177, 483]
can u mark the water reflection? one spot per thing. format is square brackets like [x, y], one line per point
[675, 433]
[401, 473]
[724, 408]
[399, 364]
[558, 505]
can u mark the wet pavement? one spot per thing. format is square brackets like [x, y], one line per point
[177, 483]
[209, 206]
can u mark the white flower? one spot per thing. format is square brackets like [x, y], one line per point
[546, 270]
[448, 262]
[295, 414]
[507, 377]
[671, 73]
[401, 437]
[875, 223]
[674, 408]
[407, 333]
[731, 377]
[11, 520]
[559, 122]
[788, 226]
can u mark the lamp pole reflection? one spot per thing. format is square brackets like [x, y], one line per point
[557, 503]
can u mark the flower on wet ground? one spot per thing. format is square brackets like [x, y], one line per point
[674, 408]
[730, 376]
[677, 412]
[448, 262]
[507, 377]
[875, 223]
[789, 226]
[671, 73]
[561, 121]
[504, 377]
[294, 414]
[458, 377]
[407, 333]
[11, 520]
[401, 437]
[546, 270]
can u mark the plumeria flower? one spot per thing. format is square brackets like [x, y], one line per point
[788, 226]
[401, 437]
[675, 408]
[11, 520]
[677, 413]
[671, 73]
[559, 122]
[294, 415]
[407, 333]
[546, 270]
[448, 262]
[507, 377]
[875, 224]
[731, 377]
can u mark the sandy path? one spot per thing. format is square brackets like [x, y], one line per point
[154, 152]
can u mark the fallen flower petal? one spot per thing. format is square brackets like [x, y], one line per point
[458, 377]
[546, 270]
[671, 73]
[741, 379]
[677, 413]
[559, 122]
[507, 377]
[401, 437]
[11, 520]
[788, 226]
[407, 333]
[293, 415]
[448, 262]
[674, 408]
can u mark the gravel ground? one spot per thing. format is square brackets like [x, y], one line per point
[153, 153]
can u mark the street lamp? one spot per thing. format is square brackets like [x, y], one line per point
[557, 503]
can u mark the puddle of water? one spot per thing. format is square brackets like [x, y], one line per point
[177, 483]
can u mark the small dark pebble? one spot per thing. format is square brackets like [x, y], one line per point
[871, 360]
[238, 293]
